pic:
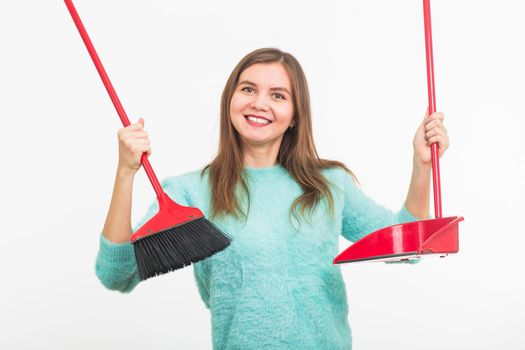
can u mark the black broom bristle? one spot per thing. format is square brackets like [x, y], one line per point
[178, 246]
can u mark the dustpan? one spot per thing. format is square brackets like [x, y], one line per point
[413, 240]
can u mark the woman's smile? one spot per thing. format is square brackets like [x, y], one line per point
[257, 121]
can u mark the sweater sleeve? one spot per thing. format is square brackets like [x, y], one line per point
[362, 215]
[115, 265]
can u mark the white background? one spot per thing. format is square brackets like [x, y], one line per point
[169, 61]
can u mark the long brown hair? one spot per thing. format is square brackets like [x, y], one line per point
[297, 153]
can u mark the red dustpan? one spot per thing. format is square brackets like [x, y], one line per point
[435, 237]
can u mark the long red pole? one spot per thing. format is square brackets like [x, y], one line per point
[112, 94]
[432, 106]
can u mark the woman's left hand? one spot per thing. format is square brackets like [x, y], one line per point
[430, 130]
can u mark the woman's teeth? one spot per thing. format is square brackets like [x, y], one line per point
[258, 120]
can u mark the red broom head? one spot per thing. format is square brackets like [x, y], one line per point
[174, 238]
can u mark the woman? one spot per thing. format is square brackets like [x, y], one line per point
[275, 286]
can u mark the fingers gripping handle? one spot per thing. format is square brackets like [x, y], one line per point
[113, 95]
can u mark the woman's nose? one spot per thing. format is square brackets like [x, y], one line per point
[259, 102]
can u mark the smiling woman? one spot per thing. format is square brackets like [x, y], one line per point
[259, 113]
[267, 84]
[275, 286]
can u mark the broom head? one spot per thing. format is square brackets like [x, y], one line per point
[174, 238]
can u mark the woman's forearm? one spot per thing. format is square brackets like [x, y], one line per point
[417, 201]
[117, 227]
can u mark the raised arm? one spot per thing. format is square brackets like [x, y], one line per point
[115, 264]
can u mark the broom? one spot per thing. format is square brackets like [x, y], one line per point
[177, 235]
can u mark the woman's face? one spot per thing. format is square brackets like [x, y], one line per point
[261, 108]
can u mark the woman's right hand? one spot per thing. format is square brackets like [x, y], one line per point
[133, 141]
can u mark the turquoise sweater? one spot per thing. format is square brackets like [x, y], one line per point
[274, 287]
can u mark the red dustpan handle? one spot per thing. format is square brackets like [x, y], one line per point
[113, 95]
[432, 106]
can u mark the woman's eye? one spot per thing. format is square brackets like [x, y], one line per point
[279, 96]
[247, 89]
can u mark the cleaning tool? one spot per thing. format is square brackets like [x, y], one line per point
[416, 239]
[177, 235]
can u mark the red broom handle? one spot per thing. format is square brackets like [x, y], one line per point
[112, 94]
[432, 106]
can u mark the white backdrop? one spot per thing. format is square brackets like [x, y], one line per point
[169, 61]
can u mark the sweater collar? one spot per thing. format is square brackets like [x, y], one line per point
[265, 173]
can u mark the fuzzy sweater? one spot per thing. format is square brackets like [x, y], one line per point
[275, 286]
